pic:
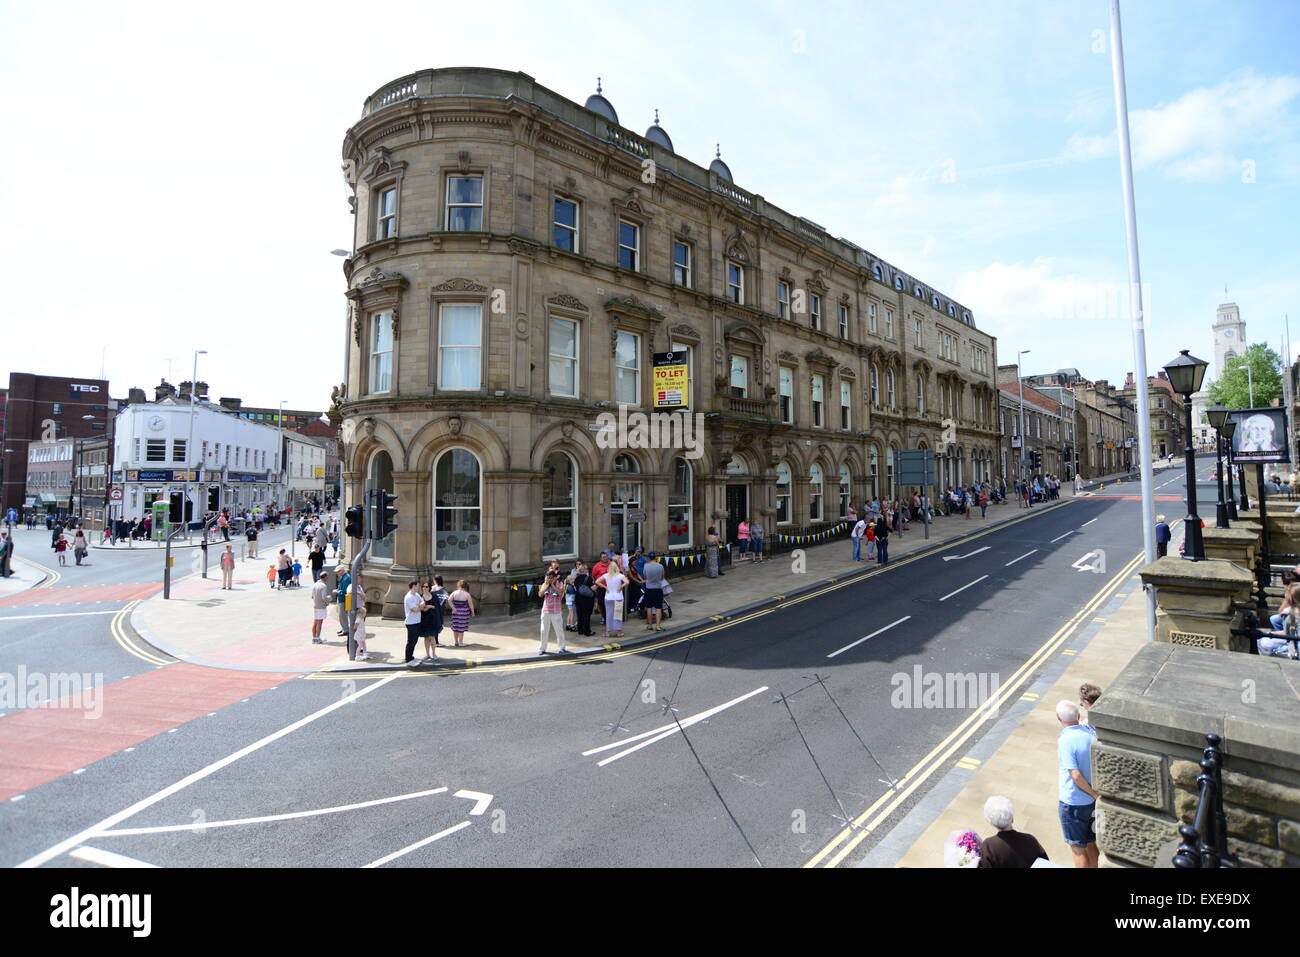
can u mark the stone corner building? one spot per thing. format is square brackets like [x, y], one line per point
[519, 259]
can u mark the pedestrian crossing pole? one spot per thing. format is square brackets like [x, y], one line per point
[1135, 304]
[357, 563]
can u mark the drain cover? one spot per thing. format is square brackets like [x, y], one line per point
[688, 601]
[520, 691]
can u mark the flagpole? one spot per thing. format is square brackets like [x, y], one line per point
[1135, 304]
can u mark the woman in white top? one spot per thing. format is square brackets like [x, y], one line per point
[613, 581]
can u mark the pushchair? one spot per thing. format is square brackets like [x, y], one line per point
[638, 608]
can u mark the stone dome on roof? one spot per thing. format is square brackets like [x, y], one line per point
[598, 104]
[719, 167]
[658, 136]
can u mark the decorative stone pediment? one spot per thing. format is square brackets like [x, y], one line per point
[817, 281]
[565, 301]
[820, 358]
[631, 303]
[923, 365]
[786, 274]
[382, 163]
[744, 332]
[631, 203]
[737, 247]
[378, 290]
[847, 373]
[521, 247]
[460, 285]
[786, 355]
[684, 333]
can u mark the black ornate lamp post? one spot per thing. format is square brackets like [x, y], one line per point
[1217, 415]
[1185, 375]
[1229, 428]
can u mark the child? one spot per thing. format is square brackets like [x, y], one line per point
[1088, 695]
[270, 576]
[297, 570]
[61, 548]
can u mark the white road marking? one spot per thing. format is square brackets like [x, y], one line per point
[481, 801]
[1059, 537]
[963, 588]
[872, 635]
[1025, 555]
[1080, 563]
[957, 558]
[107, 858]
[418, 844]
[171, 828]
[95, 829]
[1088, 522]
[658, 734]
[65, 614]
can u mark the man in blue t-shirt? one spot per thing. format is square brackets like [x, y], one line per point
[1163, 534]
[1077, 800]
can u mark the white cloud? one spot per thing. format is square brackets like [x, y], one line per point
[1035, 291]
[1197, 137]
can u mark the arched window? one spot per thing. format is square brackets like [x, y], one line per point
[559, 507]
[625, 500]
[381, 476]
[457, 507]
[782, 493]
[875, 387]
[846, 485]
[877, 272]
[873, 457]
[679, 505]
[816, 486]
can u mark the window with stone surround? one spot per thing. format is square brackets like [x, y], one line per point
[459, 350]
[782, 299]
[381, 352]
[464, 203]
[563, 347]
[629, 245]
[565, 222]
[386, 213]
[785, 376]
[627, 368]
[682, 263]
[735, 282]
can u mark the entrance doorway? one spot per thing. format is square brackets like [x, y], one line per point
[737, 509]
[625, 512]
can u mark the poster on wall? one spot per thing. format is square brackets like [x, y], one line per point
[671, 380]
[1260, 436]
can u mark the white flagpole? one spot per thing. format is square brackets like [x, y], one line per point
[1135, 303]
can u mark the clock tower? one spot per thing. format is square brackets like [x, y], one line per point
[1229, 336]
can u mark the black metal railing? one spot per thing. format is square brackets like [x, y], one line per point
[1205, 841]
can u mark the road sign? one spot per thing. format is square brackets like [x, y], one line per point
[914, 467]
[12, 515]
[115, 494]
[636, 515]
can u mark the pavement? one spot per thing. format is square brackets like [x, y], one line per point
[273, 632]
[25, 575]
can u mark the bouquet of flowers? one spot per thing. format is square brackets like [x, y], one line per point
[962, 849]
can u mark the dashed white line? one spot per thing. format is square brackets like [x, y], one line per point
[1088, 522]
[1059, 537]
[667, 730]
[418, 844]
[963, 588]
[872, 635]
[1025, 555]
[64, 614]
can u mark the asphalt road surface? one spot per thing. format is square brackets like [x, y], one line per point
[753, 741]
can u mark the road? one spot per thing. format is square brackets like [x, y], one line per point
[794, 725]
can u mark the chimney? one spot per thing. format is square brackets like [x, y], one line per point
[201, 391]
[1129, 383]
[228, 403]
[163, 390]
[184, 390]
[135, 396]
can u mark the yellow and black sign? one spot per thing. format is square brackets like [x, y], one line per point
[671, 380]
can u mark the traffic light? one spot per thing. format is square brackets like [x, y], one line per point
[352, 522]
[1035, 459]
[385, 518]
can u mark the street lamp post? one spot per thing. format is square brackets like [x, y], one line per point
[1218, 414]
[189, 449]
[1185, 375]
[1020, 382]
[1229, 428]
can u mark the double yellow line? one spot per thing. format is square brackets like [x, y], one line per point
[939, 757]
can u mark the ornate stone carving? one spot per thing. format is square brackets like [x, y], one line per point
[454, 424]
[521, 248]
[631, 303]
[566, 429]
[1129, 775]
[460, 285]
[356, 324]
[786, 355]
[462, 159]
[818, 357]
[736, 247]
[847, 373]
[566, 301]
[368, 427]
[684, 332]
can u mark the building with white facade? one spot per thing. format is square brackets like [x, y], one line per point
[305, 475]
[198, 458]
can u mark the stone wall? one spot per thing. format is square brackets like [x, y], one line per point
[1151, 726]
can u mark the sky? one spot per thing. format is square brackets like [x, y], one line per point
[171, 172]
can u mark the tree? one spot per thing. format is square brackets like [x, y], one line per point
[1231, 389]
